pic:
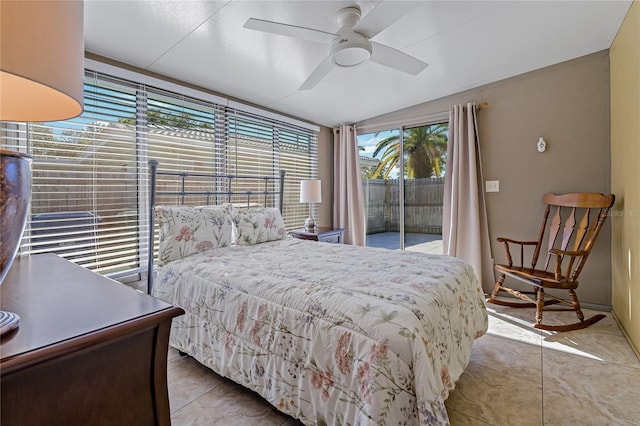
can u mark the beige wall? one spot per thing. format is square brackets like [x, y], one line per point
[568, 105]
[625, 174]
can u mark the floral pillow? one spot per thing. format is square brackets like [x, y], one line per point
[258, 225]
[236, 208]
[187, 230]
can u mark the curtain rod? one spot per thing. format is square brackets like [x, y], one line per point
[412, 121]
[349, 126]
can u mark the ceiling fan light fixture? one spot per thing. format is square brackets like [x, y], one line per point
[350, 56]
[349, 52]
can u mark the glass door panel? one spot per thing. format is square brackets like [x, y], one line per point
[425, 154]
[380, 167]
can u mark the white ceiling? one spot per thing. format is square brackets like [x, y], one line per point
[466, 43]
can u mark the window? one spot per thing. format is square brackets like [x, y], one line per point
[90, 175]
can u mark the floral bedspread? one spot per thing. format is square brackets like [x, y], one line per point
[329, 333]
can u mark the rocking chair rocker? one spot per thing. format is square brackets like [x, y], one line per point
[592, 210]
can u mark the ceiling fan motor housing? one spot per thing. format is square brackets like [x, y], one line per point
[351, 48]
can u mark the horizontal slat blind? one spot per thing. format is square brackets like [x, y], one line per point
[258, 145]
[84, 187]
[298, 155]
[90, 186]
[181, 136]
[250, 152]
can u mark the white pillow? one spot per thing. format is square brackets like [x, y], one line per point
[187, 230]
[258, 225]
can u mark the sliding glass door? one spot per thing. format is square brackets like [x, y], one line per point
[404, 209]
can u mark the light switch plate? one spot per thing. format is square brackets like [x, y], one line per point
[492, 186]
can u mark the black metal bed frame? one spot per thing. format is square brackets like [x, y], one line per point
[182, 193]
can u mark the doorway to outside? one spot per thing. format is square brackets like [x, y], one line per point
[403, 181]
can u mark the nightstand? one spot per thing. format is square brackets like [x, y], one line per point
[320, 233]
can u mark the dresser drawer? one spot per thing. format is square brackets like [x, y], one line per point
[330, 238]
[322, 234]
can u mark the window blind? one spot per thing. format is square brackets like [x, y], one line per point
[84, 188]
[182, 135]
[298, 155]
[90, 174]
[262, 146]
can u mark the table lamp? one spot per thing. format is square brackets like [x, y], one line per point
[41, 79]
[310, 192]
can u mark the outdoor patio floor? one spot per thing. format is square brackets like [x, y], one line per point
[424, 243]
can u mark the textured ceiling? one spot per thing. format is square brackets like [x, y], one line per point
[466, 43]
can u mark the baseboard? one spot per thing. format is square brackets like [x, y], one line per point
[626, 336]
[585, 305]
[596, 307]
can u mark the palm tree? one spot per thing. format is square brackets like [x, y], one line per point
[425, 148]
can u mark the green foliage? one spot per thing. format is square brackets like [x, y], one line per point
[182, 121]
[69, 143]
[425, 150]
[370, 173]
[78, 142]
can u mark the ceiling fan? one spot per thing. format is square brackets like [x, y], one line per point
[350, 45]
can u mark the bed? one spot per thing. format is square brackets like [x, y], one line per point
[327, 333]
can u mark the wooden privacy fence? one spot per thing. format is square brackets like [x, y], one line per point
[422, 207]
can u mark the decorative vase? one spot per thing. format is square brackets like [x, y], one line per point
[15, 192]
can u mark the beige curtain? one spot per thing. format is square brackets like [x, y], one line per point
[348, 197]
[465, 233]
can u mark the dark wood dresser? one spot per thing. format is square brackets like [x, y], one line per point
[89, 350]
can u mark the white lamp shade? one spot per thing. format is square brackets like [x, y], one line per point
[42, 60]
[310, 191]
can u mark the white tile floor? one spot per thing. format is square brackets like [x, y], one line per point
[517, 376]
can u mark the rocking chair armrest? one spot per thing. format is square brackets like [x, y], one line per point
[508, 241]
[571, 253]
[560, 255]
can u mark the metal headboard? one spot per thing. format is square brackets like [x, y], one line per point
[227, 193]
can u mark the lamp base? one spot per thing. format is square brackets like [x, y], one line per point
[309, 224]
[15, 191]
[8, 322]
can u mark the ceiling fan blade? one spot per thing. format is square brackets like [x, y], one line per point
[382, 16]
[289, 30]
[318, 74]
[392, 58]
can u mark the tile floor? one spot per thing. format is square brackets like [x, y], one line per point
[517, 376]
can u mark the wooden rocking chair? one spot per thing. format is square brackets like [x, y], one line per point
[592, 210]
